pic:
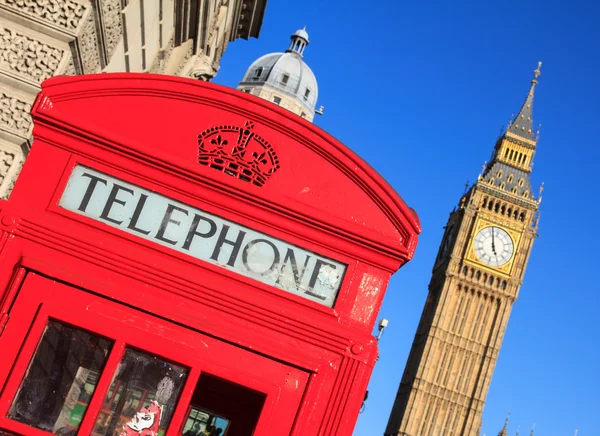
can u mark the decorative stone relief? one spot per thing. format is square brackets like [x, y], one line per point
[15, 115]
[88, 47]
[113, 26]
[27, 57]
[6, 161]
[63, 13]
[70, 68]
[5, 170]
[202, 68]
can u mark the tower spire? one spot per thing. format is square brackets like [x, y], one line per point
[504, 431]
[522, 125]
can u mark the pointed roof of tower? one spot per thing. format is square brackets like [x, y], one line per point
[504, 431]
[522, 125]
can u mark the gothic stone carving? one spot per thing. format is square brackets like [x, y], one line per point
[88, 46]
[70, 68]
[27, 57]
[15, 115]
[6, 161]
[113, 27]
[63, 13]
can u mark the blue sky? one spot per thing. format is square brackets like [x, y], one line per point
[420, 90]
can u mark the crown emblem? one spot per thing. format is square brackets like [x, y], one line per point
[238, 152]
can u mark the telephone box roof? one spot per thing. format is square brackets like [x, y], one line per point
[285, 165]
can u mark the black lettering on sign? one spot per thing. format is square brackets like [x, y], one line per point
[313, 279]
[112, 199]
[136, 215]
[276, 256]
[236, 245]
[194, 230]
[90, 190]
[165, 222]
[290, 256]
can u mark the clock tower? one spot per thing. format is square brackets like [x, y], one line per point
[475, 281]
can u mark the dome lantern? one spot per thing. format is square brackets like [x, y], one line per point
[299, 41]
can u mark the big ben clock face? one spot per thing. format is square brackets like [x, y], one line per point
[493, 246]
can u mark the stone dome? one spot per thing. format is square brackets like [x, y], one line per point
[286, 72]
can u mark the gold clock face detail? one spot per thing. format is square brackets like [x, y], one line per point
[493, 246]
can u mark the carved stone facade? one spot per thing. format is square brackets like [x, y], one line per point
[43, 38]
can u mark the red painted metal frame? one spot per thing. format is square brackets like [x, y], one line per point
[144, 129]
[42, 298]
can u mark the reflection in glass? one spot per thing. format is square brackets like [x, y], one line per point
[60, 379]
[142, 396]
[201, 422]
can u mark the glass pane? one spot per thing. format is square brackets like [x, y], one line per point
[202, 422]
[60, 379]
[142, 396]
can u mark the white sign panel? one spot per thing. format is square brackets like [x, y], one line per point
[202, 235]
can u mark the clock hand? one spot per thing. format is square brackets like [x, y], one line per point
[493, 245]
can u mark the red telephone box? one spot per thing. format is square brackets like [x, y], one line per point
[183, 258]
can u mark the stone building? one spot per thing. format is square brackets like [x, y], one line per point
[43, 38]
[475, 281]
[285, 79]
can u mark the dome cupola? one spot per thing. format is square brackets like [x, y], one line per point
[284, 78]
[299, 41]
